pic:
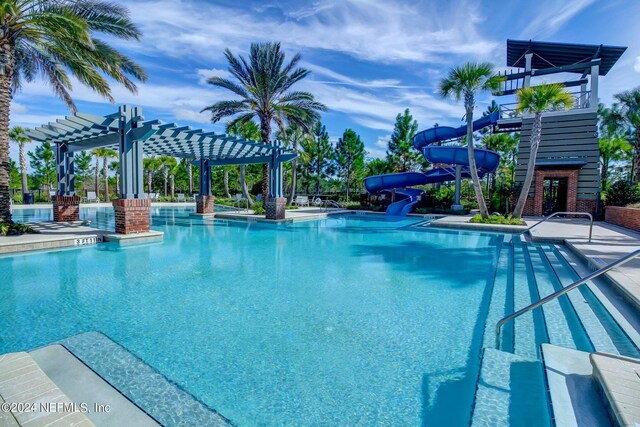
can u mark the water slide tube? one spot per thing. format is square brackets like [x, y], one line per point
[486, 162]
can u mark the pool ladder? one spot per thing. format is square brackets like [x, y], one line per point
[625, 259]
[586, 214]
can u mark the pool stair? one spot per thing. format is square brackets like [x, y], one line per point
[514, 377]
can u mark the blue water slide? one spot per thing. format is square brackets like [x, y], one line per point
[487, 161]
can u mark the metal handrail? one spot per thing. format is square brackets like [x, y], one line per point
[564, 213]
[326, 203]
[563, 291]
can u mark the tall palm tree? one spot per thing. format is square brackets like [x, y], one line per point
[115, 167]
[293, 137]
[612, 148]
[18, 135]
[464, 82]
[166, 164]
[536, 100]
[105, 154]
[263, 83]
[55, 39]
[250, 131]
[150, 165]
[629, 102]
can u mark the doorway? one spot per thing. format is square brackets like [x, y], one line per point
[554, 195]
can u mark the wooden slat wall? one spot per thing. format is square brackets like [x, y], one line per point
[572, 135]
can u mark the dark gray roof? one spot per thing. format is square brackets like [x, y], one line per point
[549, 54]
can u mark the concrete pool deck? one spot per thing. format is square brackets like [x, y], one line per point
[57, 235]
[291, 215]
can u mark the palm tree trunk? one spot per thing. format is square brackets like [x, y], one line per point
[636, 158]
[165, 175]
[23, 169]
[5, 106]
[536, 133]
[105, 172]
[225, 181]
[603, 173]
[265, 133]
[468, 101]
[149, 178]
[243, 184]
[294, 177]
[118, 183]
[190, 174]
[173, 187]
[96, 178]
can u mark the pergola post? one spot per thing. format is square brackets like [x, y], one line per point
[66, 205]
[204, 199]
[133, 208]
[275, 204]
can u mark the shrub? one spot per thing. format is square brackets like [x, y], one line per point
[622, 193]
[17, 198]
[497, 219]
[16, 229]
[258, 208]
[291, 207]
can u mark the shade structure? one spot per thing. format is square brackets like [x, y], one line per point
[127, 132]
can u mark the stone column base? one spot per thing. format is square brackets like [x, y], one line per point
[66, 208]
[132, 215]
[204, 204]
[274, 207]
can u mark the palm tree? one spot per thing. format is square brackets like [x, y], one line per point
[263, 86]
[293, 137]
[166, 164]
[150, 165]
[536, 100]
[115, 167]
[55, 39]
[105, 154]
[250, 131]
[18, 135]
[630, 111]
[464, 82]
[612, 148]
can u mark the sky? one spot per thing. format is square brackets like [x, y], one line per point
[369, 60]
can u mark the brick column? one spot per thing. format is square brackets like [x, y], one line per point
[204, 204]
[274, 207]
[66, 208]
[132, 215]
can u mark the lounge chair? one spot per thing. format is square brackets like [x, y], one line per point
[51, 194]
[91, 197]
[301, 201]
[317, 201]
[154, 197]
[181, 198]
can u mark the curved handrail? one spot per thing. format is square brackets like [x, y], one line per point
[326, 203]
[563, 213]
[563, 291]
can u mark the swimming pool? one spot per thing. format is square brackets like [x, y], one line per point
[353, 319]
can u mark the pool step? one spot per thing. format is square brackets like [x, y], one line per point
[511, 391]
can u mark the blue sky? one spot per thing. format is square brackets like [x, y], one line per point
[369, 59]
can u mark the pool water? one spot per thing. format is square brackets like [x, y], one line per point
[348, 320]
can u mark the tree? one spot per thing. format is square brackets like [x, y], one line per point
[166, 164]
[377, 167]
[612, 148]
[151, 166]
[105, 154]
[629, 110]
[316, 156]
[43, 163]
[55, 39]
[82, 167]
[464, 82]
[349, 156]
[293, 138]
[536, 100]
[506, 145]
[18, 136]
[114, 166]
[263, 85]
[401, 154]
[247, 130]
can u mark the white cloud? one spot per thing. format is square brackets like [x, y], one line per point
[551, 17]
[636, 66]
[18, 108]
[379, 148]
[378, 31]
[204, 74]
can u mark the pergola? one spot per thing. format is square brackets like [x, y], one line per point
[132, 137]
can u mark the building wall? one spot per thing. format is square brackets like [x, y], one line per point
[570, 135]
